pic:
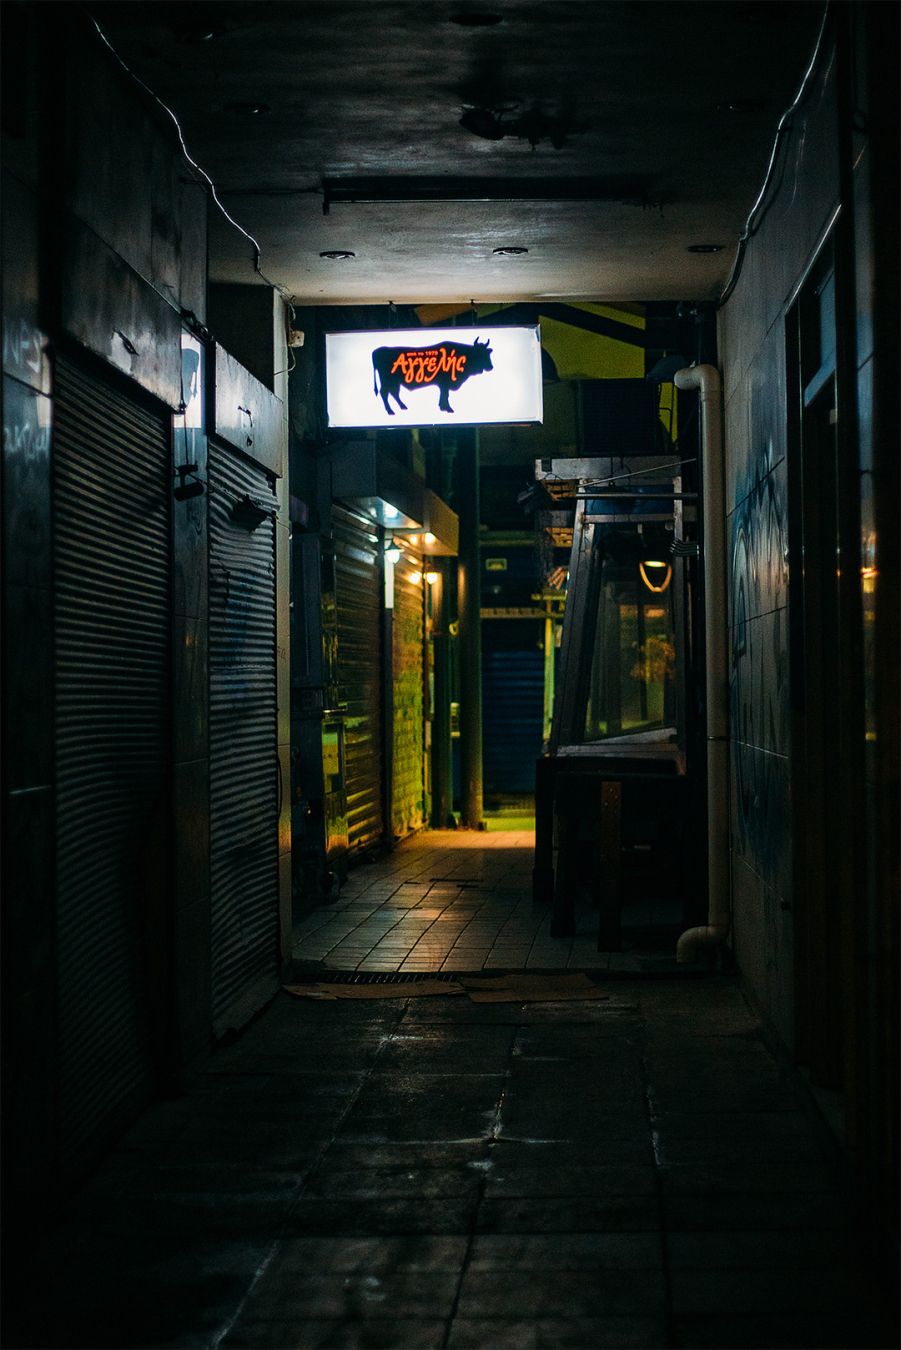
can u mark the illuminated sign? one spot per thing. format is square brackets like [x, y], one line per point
[417, 377]
[191, 382]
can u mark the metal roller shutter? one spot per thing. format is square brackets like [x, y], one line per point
[408, 772]
[358, 594]
[244, 788]
[111, 612]
[512, 704]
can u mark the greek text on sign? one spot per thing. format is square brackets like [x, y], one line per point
[429, 377]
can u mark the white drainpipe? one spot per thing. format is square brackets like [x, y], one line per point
[706, 379]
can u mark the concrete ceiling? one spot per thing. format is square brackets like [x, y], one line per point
[661, 116]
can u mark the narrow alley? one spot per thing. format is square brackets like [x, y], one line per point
[636, 1170]
[451, 766]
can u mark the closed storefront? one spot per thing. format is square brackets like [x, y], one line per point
[244, 773]
[408, 658]
[512, 704]
[111, 494]
[358, 596]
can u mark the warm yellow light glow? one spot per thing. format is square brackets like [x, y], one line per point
[429, 538]
[664, 582]
[414, 538]
[654, 562]
[415, 577]
[431, 577]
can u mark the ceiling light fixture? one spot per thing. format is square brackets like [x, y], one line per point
[629, 191]
[483, 122]
[200, 33]
[249, 109]
[510, 251]
[337, 254]
[705, 248]
[193, 26]
[739, 105]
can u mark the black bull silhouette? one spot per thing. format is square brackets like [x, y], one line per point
[445, 365]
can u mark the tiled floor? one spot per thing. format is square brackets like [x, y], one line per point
[434, 1173]
[445, 900]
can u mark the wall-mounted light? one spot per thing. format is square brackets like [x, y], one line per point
[392, 551]
[431, 577]
[429, 538]
[189, 485]
[415, 577]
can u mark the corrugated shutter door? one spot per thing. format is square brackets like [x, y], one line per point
[112, 590]
[244, 786]
[408, 775]
[512, 704]
[358, 594]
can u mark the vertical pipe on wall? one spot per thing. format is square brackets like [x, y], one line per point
[469, 614]
[706, 380]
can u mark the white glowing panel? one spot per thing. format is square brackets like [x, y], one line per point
[414, 377]
[192, 380]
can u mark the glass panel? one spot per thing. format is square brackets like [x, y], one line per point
[632, 681]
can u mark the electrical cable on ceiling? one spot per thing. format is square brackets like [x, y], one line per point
[752, 224]
[257, 252]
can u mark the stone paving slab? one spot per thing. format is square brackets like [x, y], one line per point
[578, 1333]
[433, 1172]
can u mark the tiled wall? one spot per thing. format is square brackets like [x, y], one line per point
[752, 350]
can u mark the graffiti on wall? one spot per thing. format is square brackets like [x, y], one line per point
[759, 677]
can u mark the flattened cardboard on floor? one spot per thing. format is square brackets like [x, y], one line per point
[519, 987]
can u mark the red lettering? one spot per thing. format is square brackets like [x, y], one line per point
[422, 367]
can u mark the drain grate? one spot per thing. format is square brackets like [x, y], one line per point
[443, 976]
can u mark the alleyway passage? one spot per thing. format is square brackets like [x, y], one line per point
[431, 1172]
[461, 900]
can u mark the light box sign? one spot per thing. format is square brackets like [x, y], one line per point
[414, 377]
